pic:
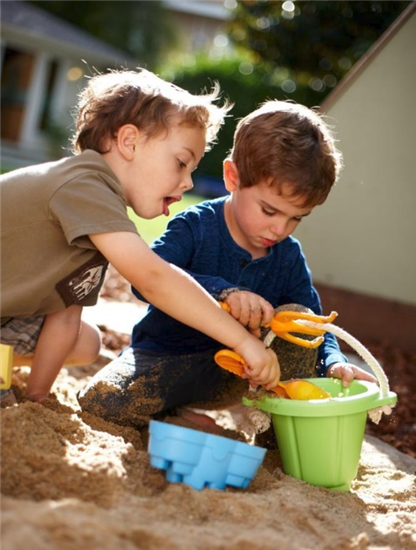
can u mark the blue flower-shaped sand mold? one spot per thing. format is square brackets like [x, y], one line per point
[202, 460]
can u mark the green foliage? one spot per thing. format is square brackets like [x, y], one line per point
[314, 40]
[286, 50]
[57, 136]
[243, 84]
[142, 29]
[296, 50]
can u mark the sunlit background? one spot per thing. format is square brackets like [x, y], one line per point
[352, 59]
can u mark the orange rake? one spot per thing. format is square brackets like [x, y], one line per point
[286, 322]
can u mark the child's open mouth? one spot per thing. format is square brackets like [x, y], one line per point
[167, 201]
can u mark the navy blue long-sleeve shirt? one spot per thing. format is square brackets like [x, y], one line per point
[198, 241]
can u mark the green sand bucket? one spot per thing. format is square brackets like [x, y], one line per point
[320, 440]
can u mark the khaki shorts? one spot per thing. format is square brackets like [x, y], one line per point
[22, 334]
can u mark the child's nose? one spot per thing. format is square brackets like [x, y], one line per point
[187, 183]
[279, 227]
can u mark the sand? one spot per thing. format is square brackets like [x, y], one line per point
[71, 481]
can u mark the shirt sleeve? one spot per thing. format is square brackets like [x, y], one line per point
[300, 290]
[87, 205]
[178, 245]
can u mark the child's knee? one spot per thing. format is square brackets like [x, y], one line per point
[94, 337]
[88, 345]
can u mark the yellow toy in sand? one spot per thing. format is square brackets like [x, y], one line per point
[6, 364]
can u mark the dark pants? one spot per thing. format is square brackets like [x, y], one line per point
[139, 385]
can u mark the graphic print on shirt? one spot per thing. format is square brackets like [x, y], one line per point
[84, 284]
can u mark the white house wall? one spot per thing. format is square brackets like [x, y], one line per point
[363, 238]
[26, 28]
[29, 133]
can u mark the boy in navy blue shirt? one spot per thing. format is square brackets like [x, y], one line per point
[239, 248]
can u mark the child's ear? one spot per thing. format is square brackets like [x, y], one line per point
[231, 177]
[127, 140]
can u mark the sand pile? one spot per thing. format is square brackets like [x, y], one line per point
[71, 481]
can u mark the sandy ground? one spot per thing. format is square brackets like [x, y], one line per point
[71, 481]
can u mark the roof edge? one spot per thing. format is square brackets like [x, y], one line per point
[358, 68]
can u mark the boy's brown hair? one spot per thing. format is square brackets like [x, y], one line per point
[114, 99]
[283, 142]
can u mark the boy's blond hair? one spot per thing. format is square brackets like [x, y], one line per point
[114, 99]
[284, 142]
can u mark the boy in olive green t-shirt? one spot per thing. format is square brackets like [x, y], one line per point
[137, 141]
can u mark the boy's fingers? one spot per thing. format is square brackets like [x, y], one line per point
[347, 375]
[235, 310]
[267, 313]
[266, 378]
[364, 375]
[241, 312]
[273, 382]
[256, 318]
[246, 316]
[260, 315]
[250, 310]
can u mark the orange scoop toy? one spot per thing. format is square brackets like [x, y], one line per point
[291, 389]
[282, 325]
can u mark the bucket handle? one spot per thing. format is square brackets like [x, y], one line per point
[360, 349]
[374, 414]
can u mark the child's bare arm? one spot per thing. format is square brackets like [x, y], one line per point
[57, 338]
[177, 294]
[348, 372]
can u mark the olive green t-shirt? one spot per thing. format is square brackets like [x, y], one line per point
[48, 211]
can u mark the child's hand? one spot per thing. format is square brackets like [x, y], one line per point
[348, 372]
[262, 366]
[250, 310]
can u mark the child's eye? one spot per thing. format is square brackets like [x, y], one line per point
[181, 164]
[268, 212]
